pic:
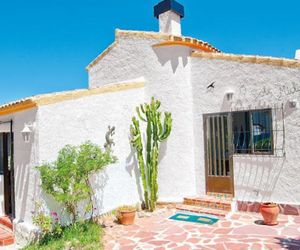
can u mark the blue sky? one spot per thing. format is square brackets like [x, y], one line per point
[45, 45]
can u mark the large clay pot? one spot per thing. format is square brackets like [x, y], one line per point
[126, 217]
[270, 213]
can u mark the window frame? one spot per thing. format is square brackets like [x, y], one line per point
[253, 152]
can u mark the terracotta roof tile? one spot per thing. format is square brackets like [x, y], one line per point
[180, 40]
[46, 99]
[274, 61]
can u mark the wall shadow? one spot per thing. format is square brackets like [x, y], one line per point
[133, 169]
[99, 181]
[257, 174]
[288, 243]
[172, 54]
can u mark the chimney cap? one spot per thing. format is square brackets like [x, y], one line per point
[167, 5]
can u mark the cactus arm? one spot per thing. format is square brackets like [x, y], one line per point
[154, 185]
[140, 115]
[167, 127]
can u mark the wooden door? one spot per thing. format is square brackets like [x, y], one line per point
[218, 153]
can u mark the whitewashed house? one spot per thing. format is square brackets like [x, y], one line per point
[236, 122]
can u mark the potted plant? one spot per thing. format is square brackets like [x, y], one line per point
[270, 212]
[126, 215]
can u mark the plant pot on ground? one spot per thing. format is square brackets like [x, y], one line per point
[126, 215]
[270, 212]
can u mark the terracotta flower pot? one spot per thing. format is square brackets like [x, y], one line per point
[126, 217]
[270, 212]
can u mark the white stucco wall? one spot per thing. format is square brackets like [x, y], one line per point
[167, 75]
[76, 121]
[256, 178]
[25, 158]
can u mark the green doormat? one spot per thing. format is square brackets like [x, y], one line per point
[194, 218]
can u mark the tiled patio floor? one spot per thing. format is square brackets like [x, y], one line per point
[239, 231]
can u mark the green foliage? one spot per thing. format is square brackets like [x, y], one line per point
[263, 145]
[67, 179]
[83, 236]
[156, 132]
[42, 220]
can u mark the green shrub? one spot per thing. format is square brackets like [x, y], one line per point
[67, 179]
[49, 224]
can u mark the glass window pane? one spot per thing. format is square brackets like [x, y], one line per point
[241, 132]
[262, 131]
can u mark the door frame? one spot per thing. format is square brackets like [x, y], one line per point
[230, 148]
[8, 172]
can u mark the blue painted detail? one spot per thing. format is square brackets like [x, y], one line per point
[167, 5]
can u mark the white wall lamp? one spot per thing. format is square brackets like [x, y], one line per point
[229, 95]
[293, 104]
[27, 131]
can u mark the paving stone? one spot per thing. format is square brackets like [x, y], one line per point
[253, 229]
[237, 246]
[290, 231]
[222, 231]
[193, 240]
[143, 234]
[158, 242]
[177, 238]
[217, 246]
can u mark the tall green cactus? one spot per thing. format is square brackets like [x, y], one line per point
[156, 133]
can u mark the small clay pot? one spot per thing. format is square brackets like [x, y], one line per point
[126, 217]
[270, 212]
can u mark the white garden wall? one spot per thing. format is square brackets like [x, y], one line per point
[76, 121]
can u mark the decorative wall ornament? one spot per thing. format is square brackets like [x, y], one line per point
[108, 137]
[211, 86]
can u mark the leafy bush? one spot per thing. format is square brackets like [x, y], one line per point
[67, 179]
[49, 224]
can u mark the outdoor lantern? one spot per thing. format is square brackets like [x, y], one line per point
[293, 104]
[26, 133]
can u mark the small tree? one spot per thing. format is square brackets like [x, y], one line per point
[67, 179]
[156, 133]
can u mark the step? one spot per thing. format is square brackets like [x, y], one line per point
[220, 195]
[207, 201]
[202, 210]
[6, 221]
[6, 236]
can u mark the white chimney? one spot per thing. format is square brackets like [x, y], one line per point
[169, 13]
[297, 55]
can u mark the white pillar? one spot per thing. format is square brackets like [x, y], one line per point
[297, 55]
[170, 23]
